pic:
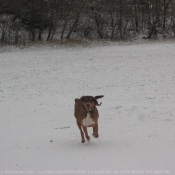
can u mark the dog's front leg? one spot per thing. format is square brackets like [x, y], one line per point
[95, 131]
[86, 133]
[81, 132]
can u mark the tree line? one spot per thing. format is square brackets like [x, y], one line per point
[24, 21]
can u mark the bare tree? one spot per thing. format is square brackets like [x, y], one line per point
[93, 18]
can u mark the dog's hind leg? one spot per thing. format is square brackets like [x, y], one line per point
[86, 133]
[81, 132]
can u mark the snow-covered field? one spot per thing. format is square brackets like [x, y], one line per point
[38, 132]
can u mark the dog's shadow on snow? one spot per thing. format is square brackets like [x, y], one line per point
[75, 143]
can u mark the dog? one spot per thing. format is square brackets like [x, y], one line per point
[86, 115]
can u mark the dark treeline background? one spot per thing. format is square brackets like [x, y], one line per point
[23, 21]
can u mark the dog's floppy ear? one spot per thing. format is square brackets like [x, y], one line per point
[77, 100]
[99, 96]
[95, 99]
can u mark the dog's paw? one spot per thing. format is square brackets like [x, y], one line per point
[82, 141]
[95, 136]
[88, 138]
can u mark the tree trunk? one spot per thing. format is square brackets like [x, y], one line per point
[62, 32]
[99, 22]
[136, 17]
[42, 20]
[66, 20]
[32, 30]
[49, 33]
[73, 27]
[121, 20]
[17, 31]
[40, 34]
[112, 25]
[164, 14]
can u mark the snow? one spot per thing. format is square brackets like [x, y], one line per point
[38, 130]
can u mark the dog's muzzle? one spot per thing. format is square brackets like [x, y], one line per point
[88, 107]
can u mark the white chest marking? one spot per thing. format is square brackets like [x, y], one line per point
[88, 121]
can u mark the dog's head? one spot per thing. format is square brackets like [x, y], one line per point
[89, 102]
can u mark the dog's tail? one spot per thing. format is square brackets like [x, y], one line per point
[99, 96]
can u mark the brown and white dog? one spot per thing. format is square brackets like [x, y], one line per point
[87, 115]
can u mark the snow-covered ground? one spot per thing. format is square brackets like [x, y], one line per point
[38, 132]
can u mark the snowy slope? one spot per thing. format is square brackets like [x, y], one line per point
[137, 118]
